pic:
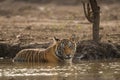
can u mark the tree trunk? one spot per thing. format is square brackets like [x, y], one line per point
[96, 19]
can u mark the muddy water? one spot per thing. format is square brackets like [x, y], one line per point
[84, 70]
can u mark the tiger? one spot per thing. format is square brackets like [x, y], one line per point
[60, 51]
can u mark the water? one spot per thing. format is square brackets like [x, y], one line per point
[84, 70]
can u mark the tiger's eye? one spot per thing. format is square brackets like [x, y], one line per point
[69, 43]
[62, 45]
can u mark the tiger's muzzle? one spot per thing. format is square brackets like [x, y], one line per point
[67, 56]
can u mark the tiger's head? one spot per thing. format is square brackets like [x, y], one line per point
[65, 48]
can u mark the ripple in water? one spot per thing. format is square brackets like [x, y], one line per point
[97, 70]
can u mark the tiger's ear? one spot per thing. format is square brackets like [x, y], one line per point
[55, 39]
[74, 38]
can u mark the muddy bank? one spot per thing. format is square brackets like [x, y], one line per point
[90, 50]
[86, 50]
[10, 50]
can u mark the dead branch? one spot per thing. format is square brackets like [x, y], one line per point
[88, 12]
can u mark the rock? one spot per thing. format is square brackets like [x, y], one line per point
[90, 50]
[10, 50]
[4, 49]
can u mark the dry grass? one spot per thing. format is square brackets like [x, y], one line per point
[26, 22]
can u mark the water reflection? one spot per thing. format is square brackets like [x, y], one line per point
[93, 70]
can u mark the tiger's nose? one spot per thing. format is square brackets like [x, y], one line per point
[68, 56]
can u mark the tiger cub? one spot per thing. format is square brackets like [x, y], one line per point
[60, 51]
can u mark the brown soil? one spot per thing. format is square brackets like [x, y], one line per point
[32, 22]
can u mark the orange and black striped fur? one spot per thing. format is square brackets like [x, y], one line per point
[60, 51]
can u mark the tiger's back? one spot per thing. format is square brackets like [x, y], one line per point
[28, 55]
[35, 55]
